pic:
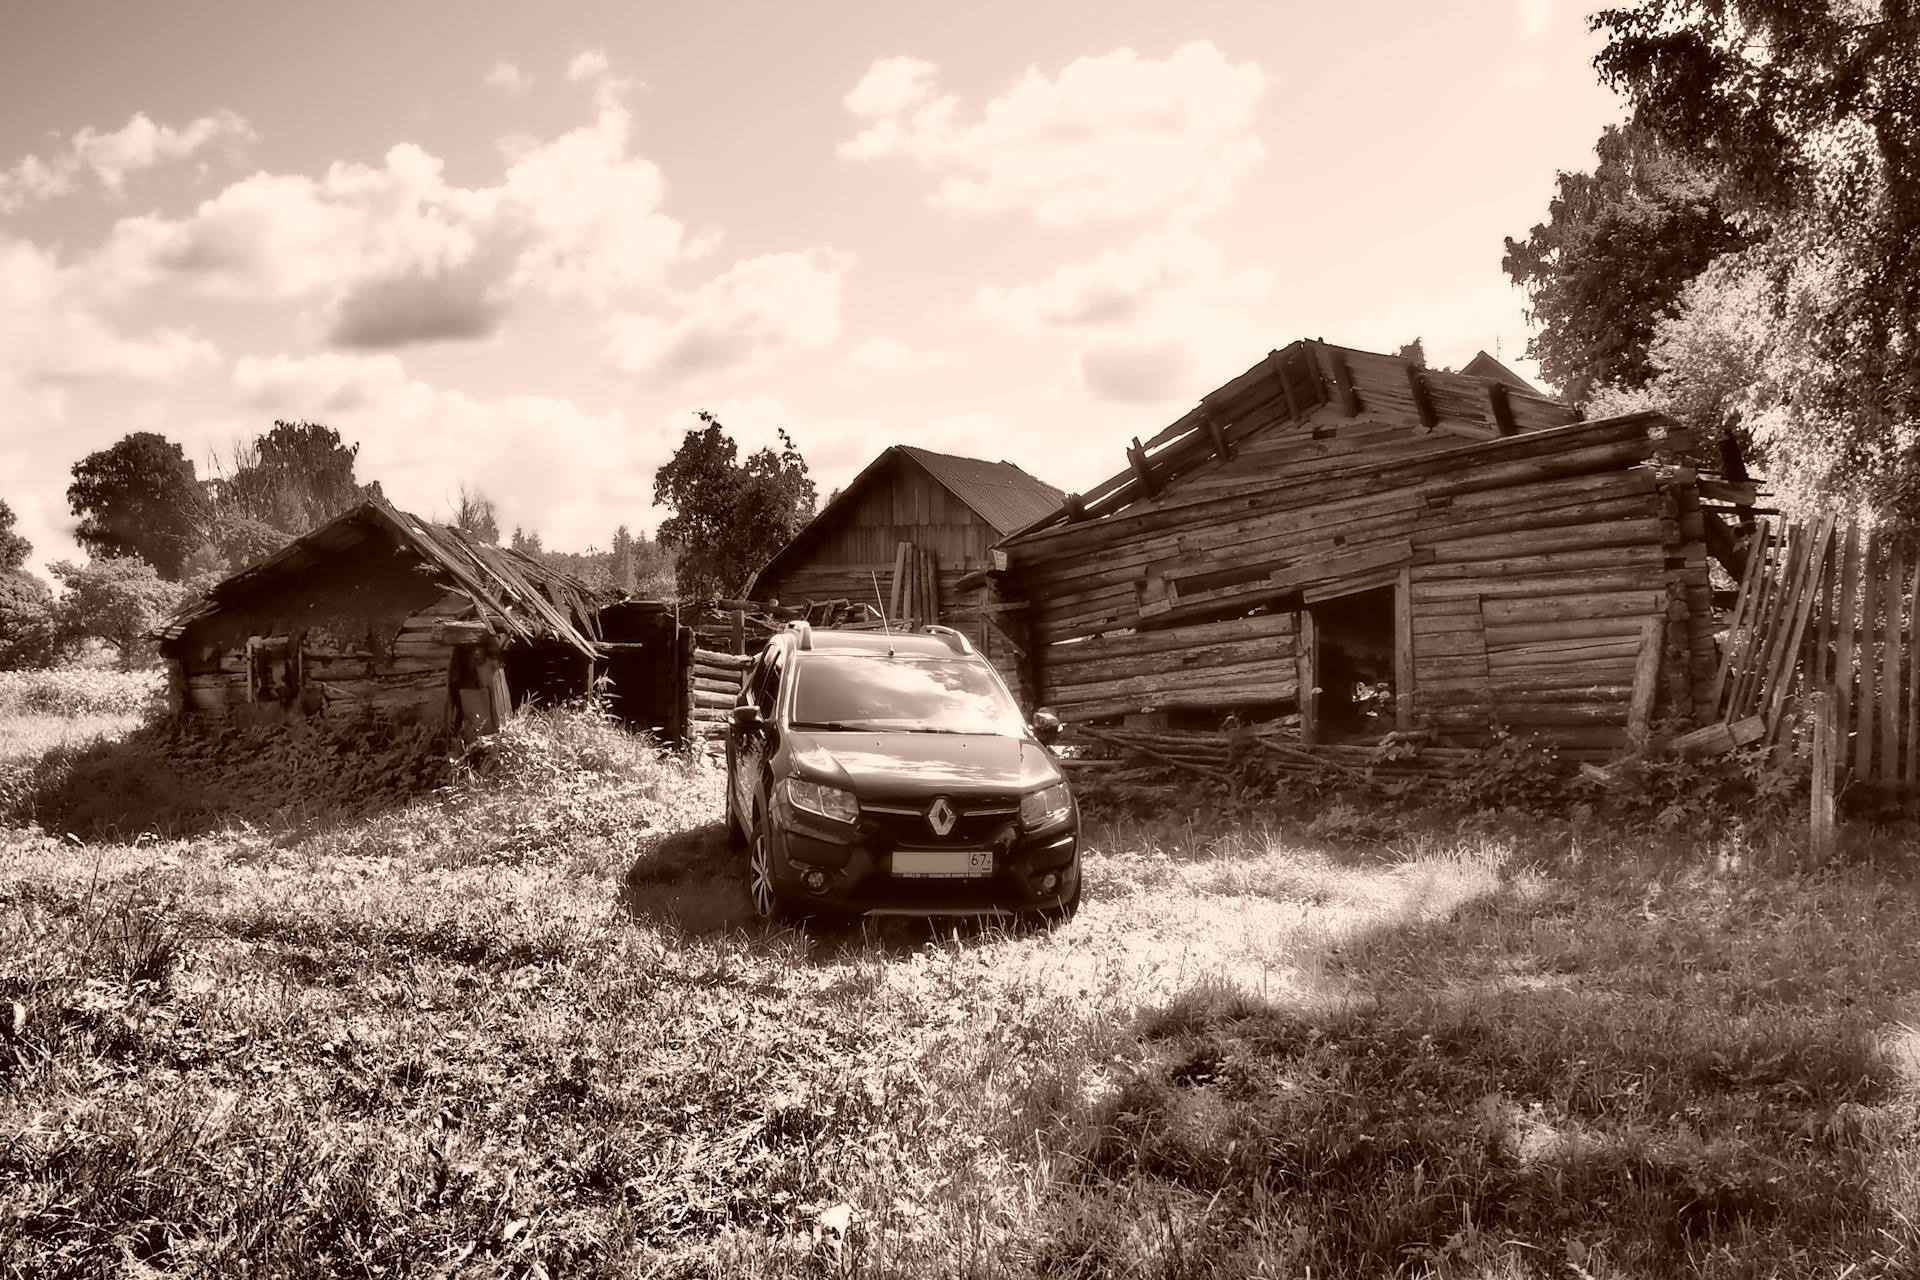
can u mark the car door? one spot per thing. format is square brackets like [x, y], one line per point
[751, 746]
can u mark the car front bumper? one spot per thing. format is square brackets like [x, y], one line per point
[1032, 871]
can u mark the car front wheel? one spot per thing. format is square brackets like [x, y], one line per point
[766, 899]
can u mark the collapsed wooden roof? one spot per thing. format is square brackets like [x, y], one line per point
[519, 597]
[1000, 493]
[1287, 386]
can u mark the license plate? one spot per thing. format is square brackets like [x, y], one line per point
[943, 864]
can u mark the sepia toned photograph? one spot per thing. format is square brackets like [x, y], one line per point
[866, 641]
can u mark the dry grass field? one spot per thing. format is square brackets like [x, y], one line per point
[524, 1026]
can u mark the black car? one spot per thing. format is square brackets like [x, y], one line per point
[871, 773]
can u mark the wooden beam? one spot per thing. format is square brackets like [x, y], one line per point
[1500, 408]
[1222, 447]
[1422, 401]
[1343, 381]
[1305, 691]
[895, 601]
[1137, 456]
[1646, 680]
[1076, 508]
[1403, 650]
[1286, 388]
[1320, 568]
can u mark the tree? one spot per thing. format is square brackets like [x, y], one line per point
[115, 599]
[286, 481]
[1808, 117]
[1618, 246]
[474, 514]
[1415, 351]
[137, 498]
[30, 635]
[526, 541]
[14, 549]
[728, 518]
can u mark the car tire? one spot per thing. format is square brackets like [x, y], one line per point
[762, 889]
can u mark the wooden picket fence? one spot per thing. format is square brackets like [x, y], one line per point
[1825, 619]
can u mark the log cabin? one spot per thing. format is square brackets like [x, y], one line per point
[380, 612]
[903, 535]
[1376, 546]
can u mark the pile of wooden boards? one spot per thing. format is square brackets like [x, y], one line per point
[1114, 755]
[914, 598]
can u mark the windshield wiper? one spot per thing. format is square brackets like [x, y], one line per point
[831, 726]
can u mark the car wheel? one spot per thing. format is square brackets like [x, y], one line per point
[760, 886]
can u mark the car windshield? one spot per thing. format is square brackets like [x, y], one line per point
[922, 695]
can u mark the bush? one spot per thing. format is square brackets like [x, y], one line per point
[81, 691]
[29, 623]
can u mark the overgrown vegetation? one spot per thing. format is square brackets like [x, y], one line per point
[523, 1024]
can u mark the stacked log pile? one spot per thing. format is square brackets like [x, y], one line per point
[1121, 755]
[1546, 573]
[713, 686]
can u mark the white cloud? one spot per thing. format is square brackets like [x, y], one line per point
[394, 254]
[1157, 319]
[508, 76]
[1118, 136]
[757, 310]
[587, 64]
[1535, 17]
[111, 157]
[882, 355]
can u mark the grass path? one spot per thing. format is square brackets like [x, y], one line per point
[527, 1028]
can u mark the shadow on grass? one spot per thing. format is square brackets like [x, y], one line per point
[693, 882]
[1557, 1079]
[155, 782]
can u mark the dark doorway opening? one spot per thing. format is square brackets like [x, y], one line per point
[1351, 665]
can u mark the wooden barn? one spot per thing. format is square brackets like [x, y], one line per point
[903, 535]
[378, 611]
[1378, 546]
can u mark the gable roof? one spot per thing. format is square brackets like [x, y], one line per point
[1485, 366]
[1287, 387]
[1000, 493]
[514, 593]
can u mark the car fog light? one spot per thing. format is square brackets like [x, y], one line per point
[817, 881]
[1049, 883]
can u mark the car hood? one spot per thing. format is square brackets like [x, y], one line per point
[913, 764]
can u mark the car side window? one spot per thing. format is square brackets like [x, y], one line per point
[767, 695]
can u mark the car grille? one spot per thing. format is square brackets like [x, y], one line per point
[979, 820]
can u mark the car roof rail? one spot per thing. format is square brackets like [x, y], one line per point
[803, 635]
[955, 640]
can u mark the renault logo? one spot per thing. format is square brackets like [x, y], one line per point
[940, 816]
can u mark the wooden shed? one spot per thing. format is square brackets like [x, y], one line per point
[904, 534]
[379, 611]
[1377, 546]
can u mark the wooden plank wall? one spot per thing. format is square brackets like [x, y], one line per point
[1539, 565]
[1829, 607]
[408, 682]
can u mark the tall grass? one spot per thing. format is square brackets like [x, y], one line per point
[526, 1025]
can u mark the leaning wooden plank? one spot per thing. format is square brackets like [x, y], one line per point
[1740, 625]
[1718, 739]
[1848, 582]
[1646, 679]
[1867, 698]
[1761, 624]
[1800, 607]
[894, 602]
[1912, 775]
[1892, 664]
[1775, 608]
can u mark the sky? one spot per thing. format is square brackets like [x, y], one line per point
[515, 247]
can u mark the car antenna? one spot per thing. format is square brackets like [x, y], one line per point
[881, 601]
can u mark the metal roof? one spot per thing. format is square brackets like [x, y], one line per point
[515, 594]
[1000, 493]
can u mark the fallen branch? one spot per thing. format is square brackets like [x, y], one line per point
[1114, 740]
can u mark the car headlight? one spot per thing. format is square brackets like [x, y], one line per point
[828, 802]
[1045, 807]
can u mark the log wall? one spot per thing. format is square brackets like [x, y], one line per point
[1547, 580]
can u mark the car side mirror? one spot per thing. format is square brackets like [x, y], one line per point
[747, 717]
[1046, 726]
